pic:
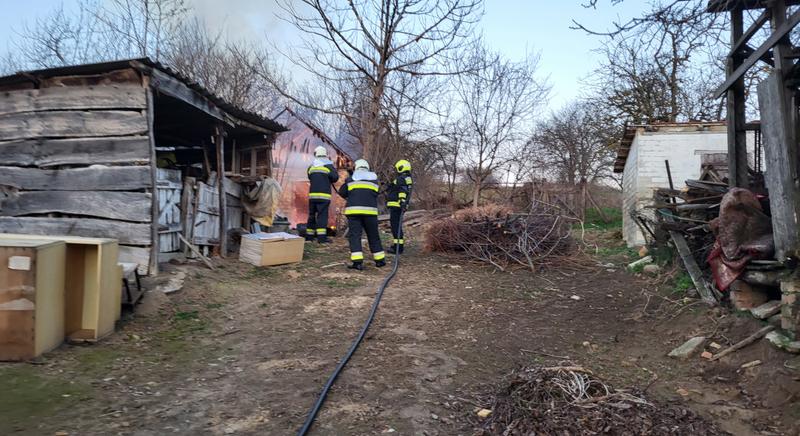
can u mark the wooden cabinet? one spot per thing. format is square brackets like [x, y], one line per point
[31, 297]
[93, 285]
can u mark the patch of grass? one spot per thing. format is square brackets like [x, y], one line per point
[617, 251]
[185, 316]
[212, 306]
[260, 272]
[29, 398]
[593, 219]
[96, 359]
[263, 305]
[682, 282]
[637, 268]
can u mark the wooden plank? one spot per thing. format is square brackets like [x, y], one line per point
[72, 98]
[95, 178]
[151, 129]
[71, 124]
[137, 255]
[126, 206]
[777, 35]
[780, 154]
[737, 141]
[176, 89]
[83, 151]
[125, 232]
[692, 268]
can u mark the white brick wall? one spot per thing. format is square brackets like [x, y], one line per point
[645, 169]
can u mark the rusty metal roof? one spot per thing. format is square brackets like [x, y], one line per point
[102, 67]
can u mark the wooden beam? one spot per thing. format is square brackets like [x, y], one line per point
[71, 124]
[83, 151]
[737, 140]
[123, 231]
[219, 141]
[73, 98]
[777, 35]
[151, 109]
[692, 268]
[126, 206]
[742, 41]
[115, 178]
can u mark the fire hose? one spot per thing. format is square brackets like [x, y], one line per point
[312, 414]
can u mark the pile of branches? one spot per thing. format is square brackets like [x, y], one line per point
[570, 400]
[496, 235]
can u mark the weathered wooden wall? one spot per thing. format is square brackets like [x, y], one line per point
[75, 159]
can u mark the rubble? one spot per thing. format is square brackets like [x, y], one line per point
[643, 261]
[689, 348]
[652, 269]
[783, 342]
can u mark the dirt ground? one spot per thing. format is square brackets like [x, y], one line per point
[245, 350]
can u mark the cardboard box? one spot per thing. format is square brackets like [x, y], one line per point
[267, 249]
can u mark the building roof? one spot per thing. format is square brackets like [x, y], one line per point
[238, 114]
[628, 136]
[729, 5]
[343, 147]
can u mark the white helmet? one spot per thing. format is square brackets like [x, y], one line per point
[362, 164]
[320, 152]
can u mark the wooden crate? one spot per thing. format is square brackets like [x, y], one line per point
[31, 297]
[93, 285]
[266, 249]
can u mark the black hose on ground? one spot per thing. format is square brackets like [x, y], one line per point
[324, 394]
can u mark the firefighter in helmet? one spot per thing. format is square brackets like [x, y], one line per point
[361, 191]
[397, 198]
[322, 175]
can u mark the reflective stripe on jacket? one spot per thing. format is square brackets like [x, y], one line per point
[399, 190]
[361, 192]
[322, 176]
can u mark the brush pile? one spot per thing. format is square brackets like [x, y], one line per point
[495, 235]
[571, 401]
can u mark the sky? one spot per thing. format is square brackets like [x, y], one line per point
[514, 27]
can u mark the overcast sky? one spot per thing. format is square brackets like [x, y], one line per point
[515, 27]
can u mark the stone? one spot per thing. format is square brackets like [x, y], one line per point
[652, 269]
[766, 310]
[689, 348]
[575, 297]
[777, 339]
[643, 261]
[751, 364]
[775, 320]
[173, 284]
[706, 355]
[715, 345]
[682, 392]
[745, 297]
[484, 413]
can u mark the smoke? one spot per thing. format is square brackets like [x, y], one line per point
[251, 20]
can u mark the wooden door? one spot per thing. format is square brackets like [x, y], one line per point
[169, 188]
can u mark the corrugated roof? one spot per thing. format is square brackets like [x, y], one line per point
[729, 5]
[98, 68]
[317, 131]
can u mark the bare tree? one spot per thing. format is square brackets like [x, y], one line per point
[143, 26]
[497, 99]
[366, 43]
[575, 144]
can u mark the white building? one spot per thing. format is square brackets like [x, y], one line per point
[641, 158]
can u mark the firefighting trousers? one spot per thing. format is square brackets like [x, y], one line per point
[369, 224]
[394, 221]
[317, 224]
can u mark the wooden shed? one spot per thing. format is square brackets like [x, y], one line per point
[129, 150]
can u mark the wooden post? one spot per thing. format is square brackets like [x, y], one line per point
[737, 139]
[151, 134]
[219, 140]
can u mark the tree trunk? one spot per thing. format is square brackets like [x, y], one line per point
[476, 195]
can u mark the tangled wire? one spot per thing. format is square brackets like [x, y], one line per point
[495, 235]
[570, 400]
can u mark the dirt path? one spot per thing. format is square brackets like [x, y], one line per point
[245, 351]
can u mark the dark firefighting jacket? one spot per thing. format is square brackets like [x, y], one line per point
[361, 191]
[399, 191]
[322, 175]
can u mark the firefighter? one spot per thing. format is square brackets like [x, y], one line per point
[397, 198]
[322, 175]
[361, 191]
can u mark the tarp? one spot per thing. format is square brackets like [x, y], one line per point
[261, 202]
[744, 233]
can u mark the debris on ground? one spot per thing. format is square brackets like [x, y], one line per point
[571, 400]
[496, 235]
[173, 284]
[766, 310]
[689, 348]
